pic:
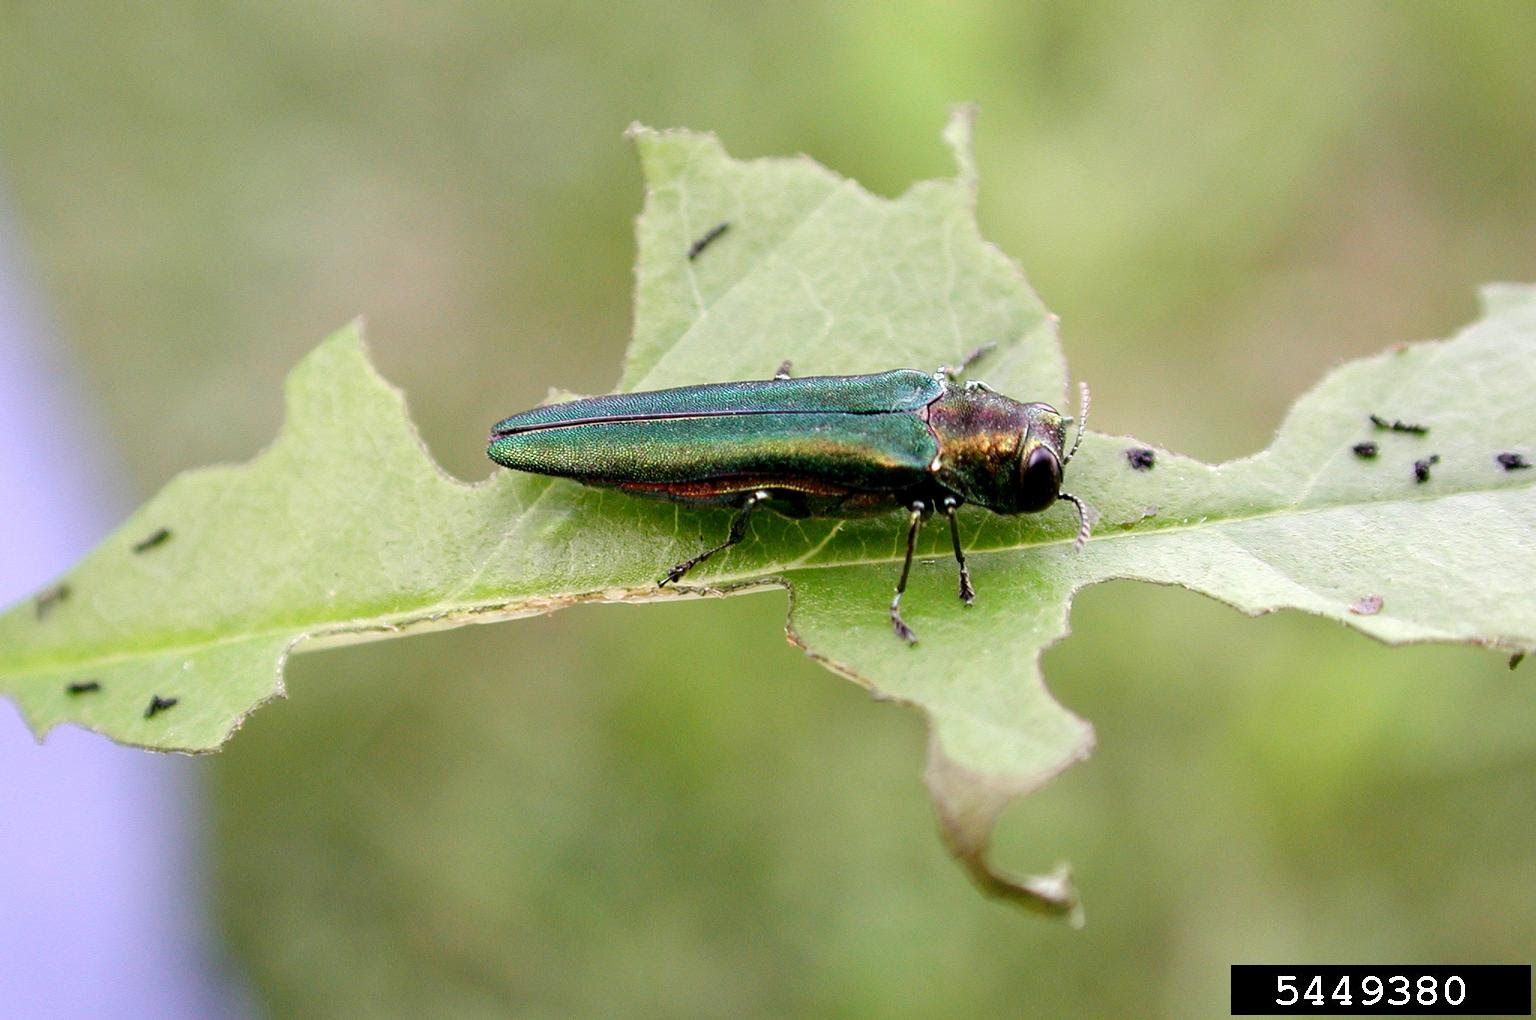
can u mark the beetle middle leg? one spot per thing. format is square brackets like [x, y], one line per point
[737, 533]
[967, 593]
[904, 632]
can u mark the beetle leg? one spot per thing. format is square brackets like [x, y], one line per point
[969, 360]
[967, 593]
[783, 372]
[737, 533]
[897, 623]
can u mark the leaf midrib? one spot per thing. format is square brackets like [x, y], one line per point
[430, 613]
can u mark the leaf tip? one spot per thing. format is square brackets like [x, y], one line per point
[343, 343]
[958, 134]
[1498, 298]
[664, 152]
[323, 377]
[968, 804]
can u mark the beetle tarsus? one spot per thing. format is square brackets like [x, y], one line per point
[737, 533]
[784, 370]
[677, 572]
[899, 625]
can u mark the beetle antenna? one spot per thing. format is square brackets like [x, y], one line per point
[1083, 526]
[1082, 422]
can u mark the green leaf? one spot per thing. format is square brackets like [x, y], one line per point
[346, 530]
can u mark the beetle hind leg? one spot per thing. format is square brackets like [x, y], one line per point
[737, 533]
[897, 623]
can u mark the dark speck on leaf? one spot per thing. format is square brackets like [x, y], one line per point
[1514, 660]
[1512, 462]
[46, 600]
[83, 687]
[698, 246]
[1141, 458]
[1368, 606]
[1366, 451]
[157, 704]
[157, 538]
[1398, 426]
[1421, 467]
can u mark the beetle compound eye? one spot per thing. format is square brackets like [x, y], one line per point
[1039, 480]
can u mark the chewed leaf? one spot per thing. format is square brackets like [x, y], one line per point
[178, 625]
[330, 533]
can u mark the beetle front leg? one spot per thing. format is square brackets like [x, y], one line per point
[737, 533]
[967, 593]
[897, 623]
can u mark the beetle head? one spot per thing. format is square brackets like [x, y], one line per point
[997, 452]
[1042, 458]
[1002, 454]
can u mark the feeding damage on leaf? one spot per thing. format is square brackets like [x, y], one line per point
[345, 529]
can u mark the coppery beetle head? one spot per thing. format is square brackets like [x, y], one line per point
[1042, 459]
[1004, 455]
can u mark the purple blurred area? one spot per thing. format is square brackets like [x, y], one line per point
[101, 881]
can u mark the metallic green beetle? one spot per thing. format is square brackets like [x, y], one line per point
[819, 446]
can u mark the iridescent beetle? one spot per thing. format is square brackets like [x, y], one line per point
[819, 446]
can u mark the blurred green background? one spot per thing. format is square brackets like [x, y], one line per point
[668, 810]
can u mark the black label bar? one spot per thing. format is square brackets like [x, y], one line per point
[1378, 990]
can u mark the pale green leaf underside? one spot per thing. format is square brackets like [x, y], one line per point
[345, 529]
